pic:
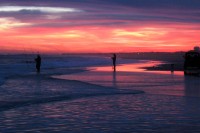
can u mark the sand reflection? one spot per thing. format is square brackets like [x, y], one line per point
[133, 77]
[135, 67]
[114, 81]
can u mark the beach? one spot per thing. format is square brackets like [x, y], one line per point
[83, 94]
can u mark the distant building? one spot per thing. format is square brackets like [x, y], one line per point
[196, 48]
[192, 61]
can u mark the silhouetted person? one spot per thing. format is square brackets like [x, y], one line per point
[172, 68]
[114, 61]
[38, 63]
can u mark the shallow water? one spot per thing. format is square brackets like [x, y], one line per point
[132, 77]
[100, 100]
[121, 113]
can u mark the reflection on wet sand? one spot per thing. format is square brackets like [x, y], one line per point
[130, 76]
[135, 67]
[114, 79]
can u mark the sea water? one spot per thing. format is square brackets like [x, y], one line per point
[83, 94]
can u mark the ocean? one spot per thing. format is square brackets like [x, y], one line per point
[82, 93]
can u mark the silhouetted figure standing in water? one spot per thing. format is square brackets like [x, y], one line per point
[114, 61]
[38, 63]
[172, 68]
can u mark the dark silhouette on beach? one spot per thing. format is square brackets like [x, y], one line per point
[38, 63]
[114, 61]
[192, 62]
[172, 68]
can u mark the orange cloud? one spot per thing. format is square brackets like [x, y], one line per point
[98, 39]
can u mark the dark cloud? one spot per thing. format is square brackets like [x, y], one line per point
[61, 25]
[114, 11]
[152, 4]
[148, 4]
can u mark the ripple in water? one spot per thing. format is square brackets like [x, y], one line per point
[124, 113]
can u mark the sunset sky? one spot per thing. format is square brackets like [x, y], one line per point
[74, 26]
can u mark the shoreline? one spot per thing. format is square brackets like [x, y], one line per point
[44, 84]
[165, 67]
[168, 58]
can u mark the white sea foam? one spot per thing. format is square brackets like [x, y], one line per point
[21, 85]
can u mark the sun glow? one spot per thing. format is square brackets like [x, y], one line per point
[98, 26]
[17, 36]
[87, 40]
[8, 23]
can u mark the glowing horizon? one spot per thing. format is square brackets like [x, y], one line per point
[98, 27]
